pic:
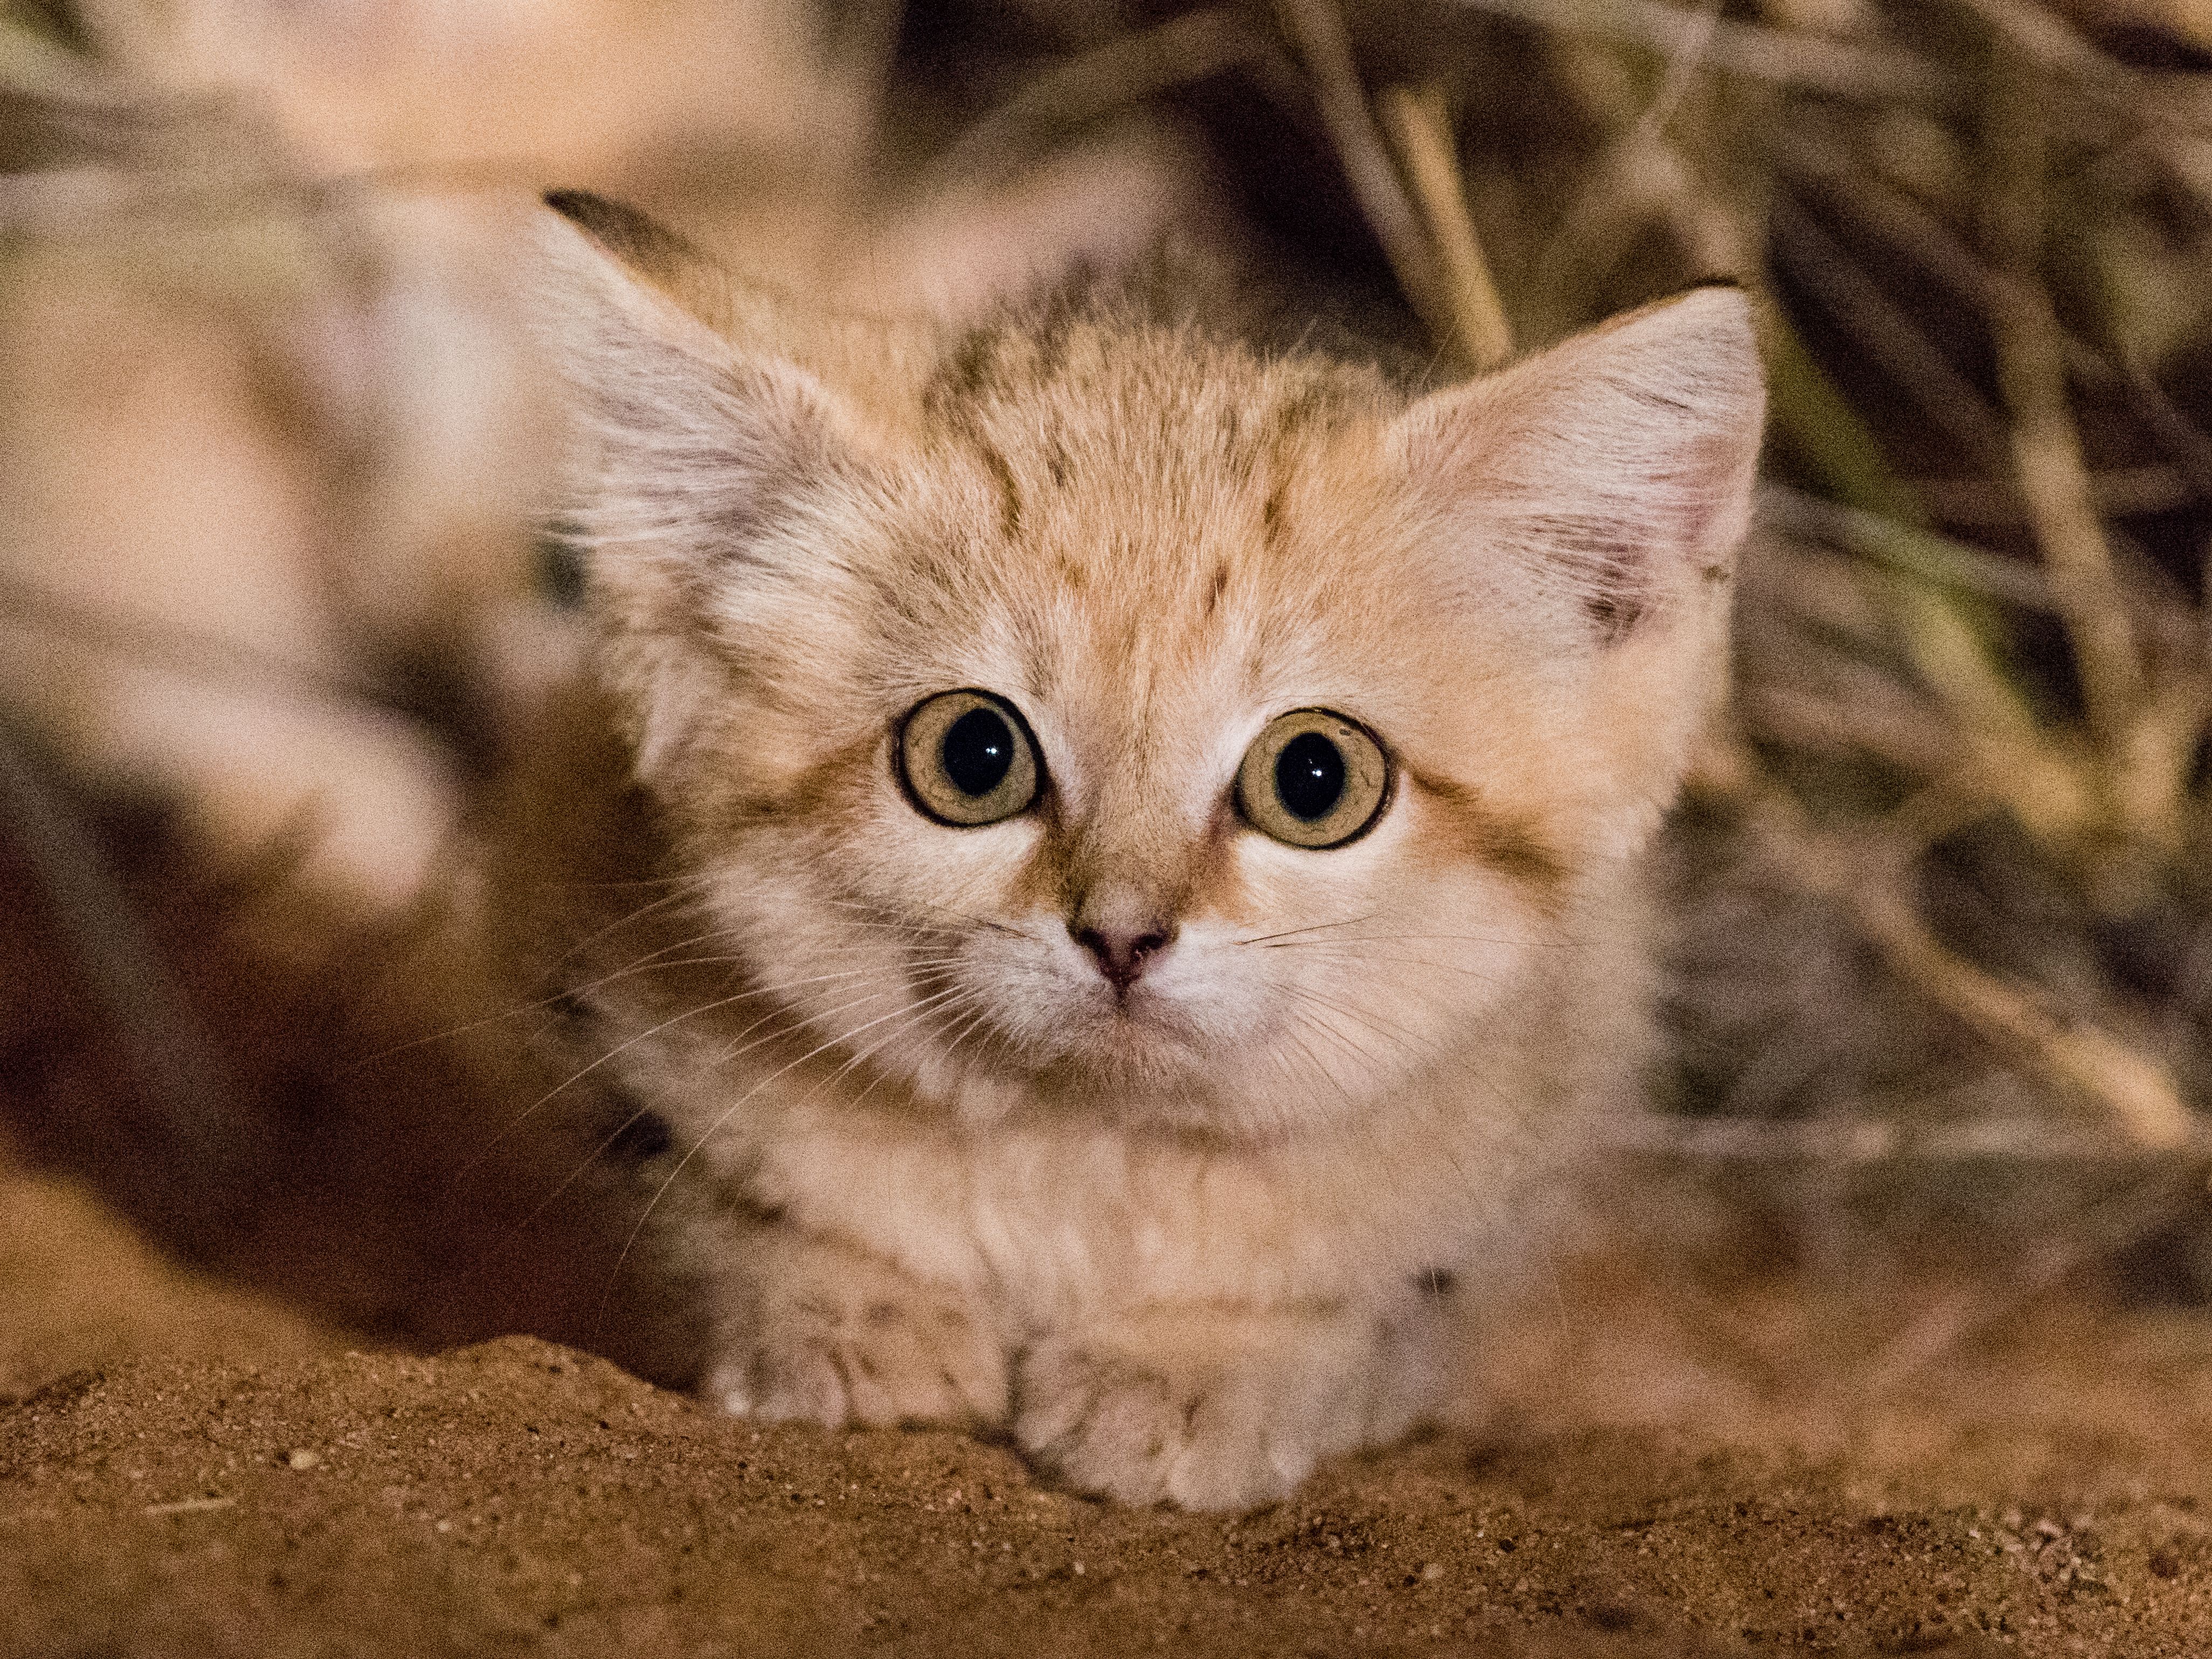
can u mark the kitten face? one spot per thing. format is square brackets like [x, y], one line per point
[1142, 551]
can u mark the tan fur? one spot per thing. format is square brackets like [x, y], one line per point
[925, 1164]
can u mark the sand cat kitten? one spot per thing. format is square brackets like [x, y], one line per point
[1148, 836]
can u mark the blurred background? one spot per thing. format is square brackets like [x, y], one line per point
[281, 580]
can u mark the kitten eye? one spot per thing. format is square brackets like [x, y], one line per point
[966, 758]
[1313, 778]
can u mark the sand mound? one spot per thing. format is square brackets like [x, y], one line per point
[518, 1497]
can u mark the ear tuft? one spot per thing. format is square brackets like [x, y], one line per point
[650, 252]
[692, 439]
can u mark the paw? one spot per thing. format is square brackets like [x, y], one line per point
[1212, 1437]
[829, 1336]
[1204, 1412]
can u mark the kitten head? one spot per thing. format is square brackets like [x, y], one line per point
[1080, 714]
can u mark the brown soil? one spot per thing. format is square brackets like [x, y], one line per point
[202, 1472]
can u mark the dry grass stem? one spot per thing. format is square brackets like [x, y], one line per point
[1857, 1142]
[2105, 1230]
[1119, 74]
[1315, 28]
[1820, 722]
[1862, 196]
[178, 1073]
[1640, 181]
[2054, 478]
[1420, 125]
[1996, 504]
[2136, 1091]
[1892, 339]
[1792, 57]
[1870, 874]
[1905, 549]
[27, 608]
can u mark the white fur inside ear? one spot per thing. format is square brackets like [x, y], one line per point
[1612, 472]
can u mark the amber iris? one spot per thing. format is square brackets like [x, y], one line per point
[966, 758]
[1313, 778]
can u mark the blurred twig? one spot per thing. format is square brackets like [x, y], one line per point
[1420, 125]
[1905, 547]
[1860, 194]
[31, 608]
[178, 1075]
[2047, 455]
[1316, 30]
[2119, 492]
[2105, 1229]
[1837, 1142]
[1886, 330]
[1786, 57]
[1113, 77]
[1867, 873]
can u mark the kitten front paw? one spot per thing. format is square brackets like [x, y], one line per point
[1214, 1411]
[829, 1336]
[1111, 1424]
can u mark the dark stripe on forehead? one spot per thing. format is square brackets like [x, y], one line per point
[967, 372]
[1507, 844]
[1271, 514]
[1002, 475]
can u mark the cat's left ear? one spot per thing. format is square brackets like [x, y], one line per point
[1595, 492]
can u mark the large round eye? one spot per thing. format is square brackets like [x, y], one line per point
[967, 758]
[1313, 778]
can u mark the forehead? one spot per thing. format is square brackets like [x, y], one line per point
[1146, 511]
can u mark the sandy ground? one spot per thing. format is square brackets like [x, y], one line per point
[188, 1469]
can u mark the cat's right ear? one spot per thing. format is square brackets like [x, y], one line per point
[691, 444]
[640, 326]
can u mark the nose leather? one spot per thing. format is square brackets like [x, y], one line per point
[1122, 953]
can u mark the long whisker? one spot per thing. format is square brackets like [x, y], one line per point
[938, 1019]
[1314, 1060]
[714, 1128]
[1428, 963]
[600, 1151]
[1318, 927]
[546, 1001]
[636, 916]
[1390, 1030]
[920, 1007]
[578, 1076]
[1410, 938]
[877, 919]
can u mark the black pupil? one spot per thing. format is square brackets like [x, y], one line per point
[1310, 776]
[979, 751]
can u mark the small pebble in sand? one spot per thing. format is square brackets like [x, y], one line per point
[301, 1458]
[1432, 1570]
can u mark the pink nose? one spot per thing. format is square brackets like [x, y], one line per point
[1121, 955]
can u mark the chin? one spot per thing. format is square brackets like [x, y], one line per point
[1169, 1080]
